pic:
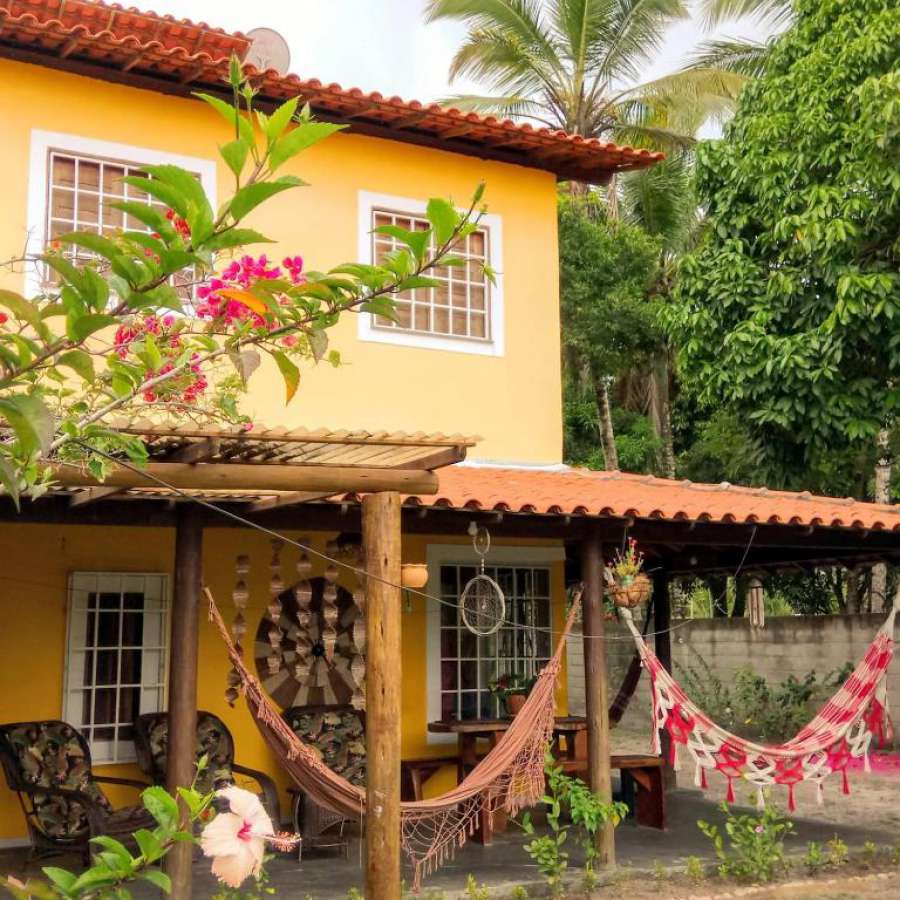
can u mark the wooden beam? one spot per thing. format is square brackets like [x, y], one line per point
[253, 477]
[381, 540]
[183, 652]
[291, 499]
[192, 453]
[596, 687]
[662, 639]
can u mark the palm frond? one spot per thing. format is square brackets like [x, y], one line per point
[738, 56]
[508, 107]
[776, 13]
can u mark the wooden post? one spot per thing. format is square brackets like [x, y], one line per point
[662, 622]
[183, 678]
[596, 687]
[381, 540]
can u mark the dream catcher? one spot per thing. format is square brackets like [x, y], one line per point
[482, 604]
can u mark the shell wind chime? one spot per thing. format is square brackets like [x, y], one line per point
[240, 595]
[275, 607]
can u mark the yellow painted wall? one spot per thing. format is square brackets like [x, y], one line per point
[513, 401]
[35, 563]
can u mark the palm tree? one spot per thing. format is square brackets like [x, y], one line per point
[575, 65]
[740, 55]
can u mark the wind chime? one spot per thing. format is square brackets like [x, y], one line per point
[239, 597]
[276, 589]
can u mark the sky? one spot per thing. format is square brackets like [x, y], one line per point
[385, 45]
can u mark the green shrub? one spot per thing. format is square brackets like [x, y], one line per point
[755, 849]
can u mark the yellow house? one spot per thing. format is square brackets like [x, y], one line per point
[100, 623]
[93, 92]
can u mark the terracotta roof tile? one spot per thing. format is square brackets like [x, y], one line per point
[117, 42]
[589, 493]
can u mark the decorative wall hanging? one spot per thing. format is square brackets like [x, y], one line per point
[239, 596]
[482, 604]
[317, 631]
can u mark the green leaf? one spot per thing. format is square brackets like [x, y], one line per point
[161, 805]
[289, 372]
[165, 193]
[116, 848]
[186, 184]
[83, 327]
[149, 844]
[21, 308]
[230, 115]
[304, 136]
[30, 419]
[94, 242]
[246, 362]
[443, 218]
[318, 343]
[158, 878]
[62, 878]
[251, 195]
[9, 480]
[417, 241]
[235, 154]
[79, 361]
[149, 215]
[280, 119]
[235, 237]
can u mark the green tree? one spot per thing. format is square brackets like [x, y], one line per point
[609, 321]
[787, 311]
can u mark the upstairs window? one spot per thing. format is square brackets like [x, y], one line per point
[115, 657]
[460, 306]
[73, 183]
[464, 312]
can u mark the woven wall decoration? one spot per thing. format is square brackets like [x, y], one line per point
[317, 650]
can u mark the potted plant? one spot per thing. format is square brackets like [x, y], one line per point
[629, 585]
[513, 688]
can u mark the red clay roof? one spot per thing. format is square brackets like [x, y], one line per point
[588, 493]
[125, 44]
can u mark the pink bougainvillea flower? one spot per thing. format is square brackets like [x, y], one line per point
[3, 318]
[236, 839]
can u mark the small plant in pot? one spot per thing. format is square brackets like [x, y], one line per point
[627, 583]
[513, 689]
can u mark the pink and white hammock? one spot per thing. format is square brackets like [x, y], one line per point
[843, 730]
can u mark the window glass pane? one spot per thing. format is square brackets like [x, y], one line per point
[113, 672]
[469, 663]
[443, 309]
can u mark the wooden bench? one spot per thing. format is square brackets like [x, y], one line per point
[415, 772]
[642, 785]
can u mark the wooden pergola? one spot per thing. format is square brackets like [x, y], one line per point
[262, 469]
[384, 484]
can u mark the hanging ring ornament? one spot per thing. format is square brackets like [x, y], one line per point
[482, 604]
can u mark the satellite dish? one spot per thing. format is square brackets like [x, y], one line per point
[268, 50]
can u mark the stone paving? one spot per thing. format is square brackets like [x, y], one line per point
[505, 864]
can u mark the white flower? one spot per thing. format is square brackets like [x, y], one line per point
[237, 839]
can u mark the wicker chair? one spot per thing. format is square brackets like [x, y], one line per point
[214, 740]
[48, 765]
[338, 732]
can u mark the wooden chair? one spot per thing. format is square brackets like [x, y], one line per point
[338, 733]
[214, 740]
[415, 772]
[48, 764]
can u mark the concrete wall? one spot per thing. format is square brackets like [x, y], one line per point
[788, 645]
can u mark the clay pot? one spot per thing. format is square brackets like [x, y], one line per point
[632, 594]
[515, 702]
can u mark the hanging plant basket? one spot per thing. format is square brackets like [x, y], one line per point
[632, 592]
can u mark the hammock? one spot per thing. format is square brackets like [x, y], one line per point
[842, 731]
[510, 777]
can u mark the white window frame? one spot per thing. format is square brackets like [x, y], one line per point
[438, 555]
[42, 142]
[368, 202]
[83, 583]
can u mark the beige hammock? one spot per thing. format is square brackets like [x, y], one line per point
[510, 777]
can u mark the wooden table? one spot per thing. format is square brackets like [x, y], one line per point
[470, 731]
